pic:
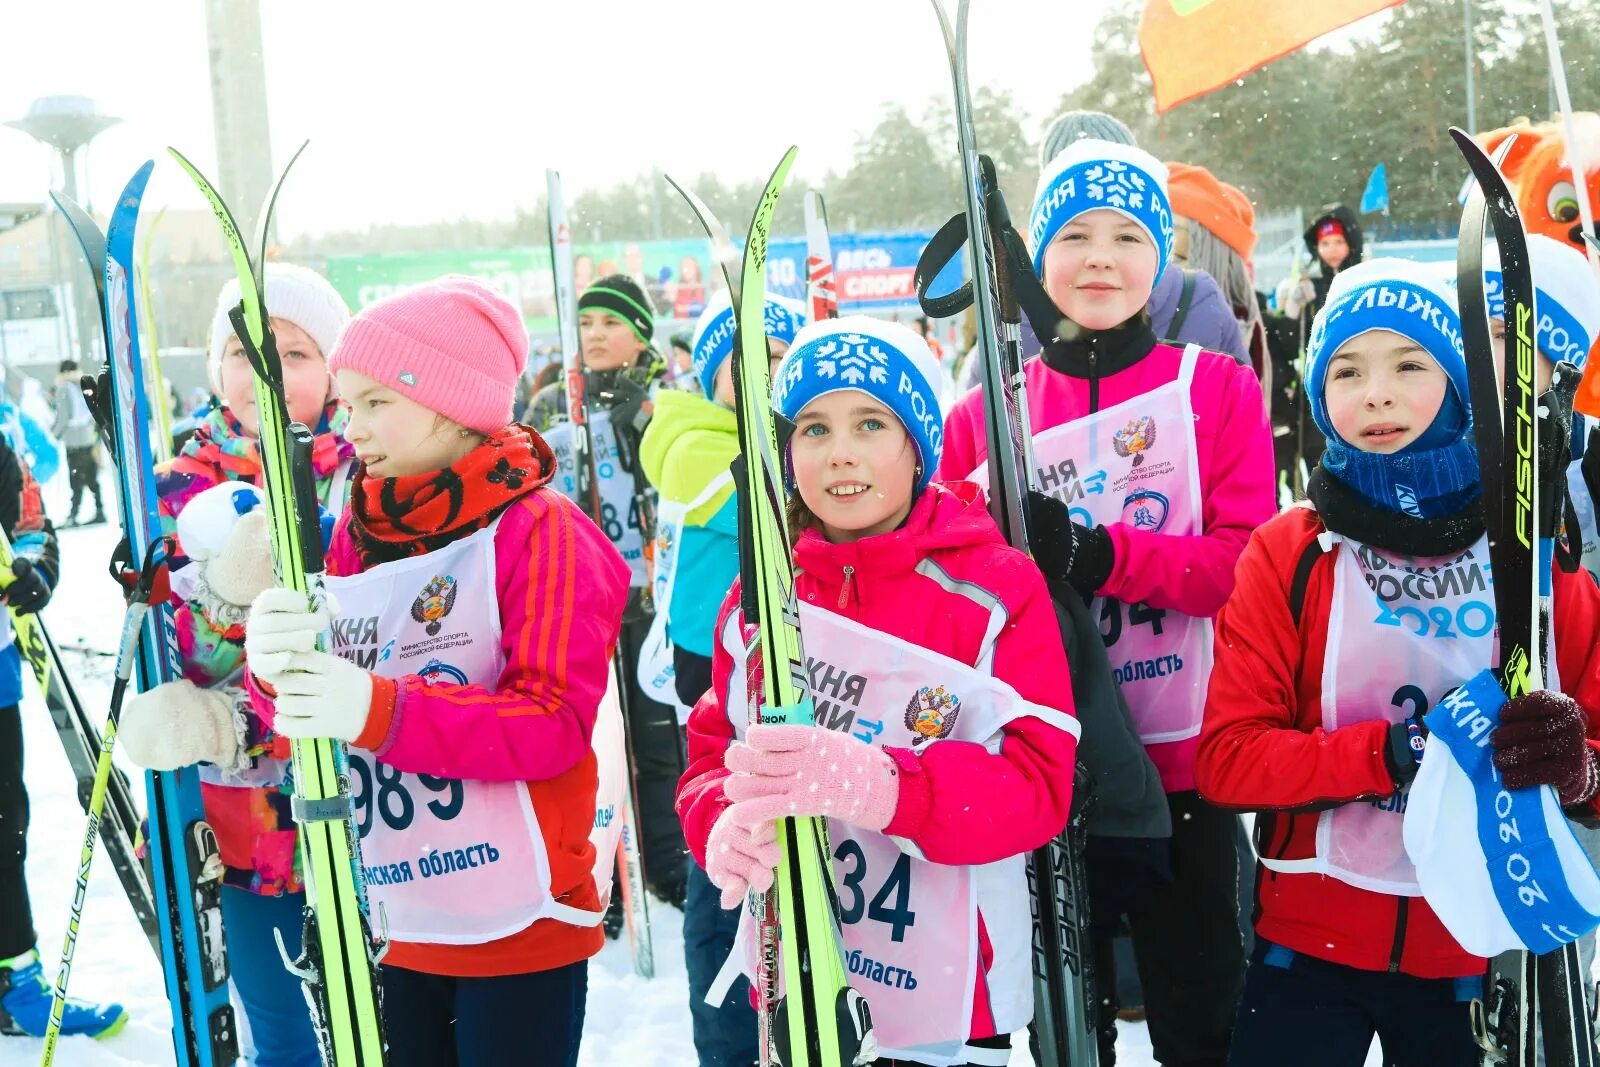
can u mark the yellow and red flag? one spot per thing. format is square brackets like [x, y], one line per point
[1194, 46]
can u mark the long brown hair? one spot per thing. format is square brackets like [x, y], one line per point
[798, 517]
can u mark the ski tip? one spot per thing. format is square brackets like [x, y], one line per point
[780, 173]
[133, 192]
[70, 208]
[182, 160]
[679, 189]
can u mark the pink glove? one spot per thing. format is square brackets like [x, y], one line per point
[808, 770]
[739, 858]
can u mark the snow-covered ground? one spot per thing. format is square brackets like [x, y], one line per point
[631, 1021]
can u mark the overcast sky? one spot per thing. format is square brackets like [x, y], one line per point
[419, 111]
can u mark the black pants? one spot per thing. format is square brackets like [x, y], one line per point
[657, 763]
[1124, 972]
[1186, 939]
[83, 469]
[435, 1021]
[16, 915]
[725, 1035]
[1313, 1013]
[691, 675]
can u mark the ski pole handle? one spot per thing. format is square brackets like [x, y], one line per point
[308, 523]
[998, 219]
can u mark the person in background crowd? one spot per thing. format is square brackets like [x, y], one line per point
[1214, 233]
[1335, 243]
[622, 372]
[75, 429]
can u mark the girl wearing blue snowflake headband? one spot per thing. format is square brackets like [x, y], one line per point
[1155, 462]
[944, 740]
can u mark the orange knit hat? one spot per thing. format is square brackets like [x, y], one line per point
[1219, 207]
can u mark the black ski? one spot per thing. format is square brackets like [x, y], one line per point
[1066, 1004]
[1519, 987]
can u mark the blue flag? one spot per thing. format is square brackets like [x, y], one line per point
[1376, 198]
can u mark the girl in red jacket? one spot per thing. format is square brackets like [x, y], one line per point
[1156, 463]
[477, 612]
[944, 743]
[1351, 618]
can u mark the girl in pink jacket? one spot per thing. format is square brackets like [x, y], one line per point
[1155, 464]
[944, 741]
[475, 615]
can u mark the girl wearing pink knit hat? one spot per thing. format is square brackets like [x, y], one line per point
[474, 615]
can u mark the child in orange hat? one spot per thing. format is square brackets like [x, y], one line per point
[1214, 231]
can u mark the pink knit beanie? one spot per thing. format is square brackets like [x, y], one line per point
[454, 346]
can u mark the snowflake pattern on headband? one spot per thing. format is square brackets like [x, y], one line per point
[1115, 184]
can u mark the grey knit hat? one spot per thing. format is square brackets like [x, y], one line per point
[1072, 126]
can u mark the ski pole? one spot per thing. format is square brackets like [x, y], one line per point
[139, 594]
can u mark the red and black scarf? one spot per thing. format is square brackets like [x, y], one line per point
[394, 518]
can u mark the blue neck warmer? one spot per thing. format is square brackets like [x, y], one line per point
[1425, 483]
[1437, 474]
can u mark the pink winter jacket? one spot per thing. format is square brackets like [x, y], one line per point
[1190, 574]
[958, 803]
[561, 591]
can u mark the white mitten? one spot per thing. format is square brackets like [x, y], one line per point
[281, 624]
[242, 570]
[322, 695]
[177, 724]
[206, 521]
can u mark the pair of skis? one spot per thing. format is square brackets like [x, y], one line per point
[338, 960]
[630, 861]
[1066, 1003]
[813, 1018]
[186, 869]
[1525, 996]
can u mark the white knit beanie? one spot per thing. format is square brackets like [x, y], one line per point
[295, 294]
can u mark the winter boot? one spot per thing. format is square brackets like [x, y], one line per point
[25, 1004]
[99, 518]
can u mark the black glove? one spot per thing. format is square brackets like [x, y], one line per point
[1403, 750]
[27, 591]
[625, 399]
[1554, 409]
[1068, 551]
[1543, 740]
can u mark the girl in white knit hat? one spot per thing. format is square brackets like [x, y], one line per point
[222, 564]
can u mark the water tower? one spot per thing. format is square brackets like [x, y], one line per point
[68, 124]
[65, 123]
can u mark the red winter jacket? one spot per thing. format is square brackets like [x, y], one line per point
[1263, 748]
[958, 802]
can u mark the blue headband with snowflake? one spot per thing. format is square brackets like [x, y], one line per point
[713, 334]
[1088, 175]
[885, 360]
